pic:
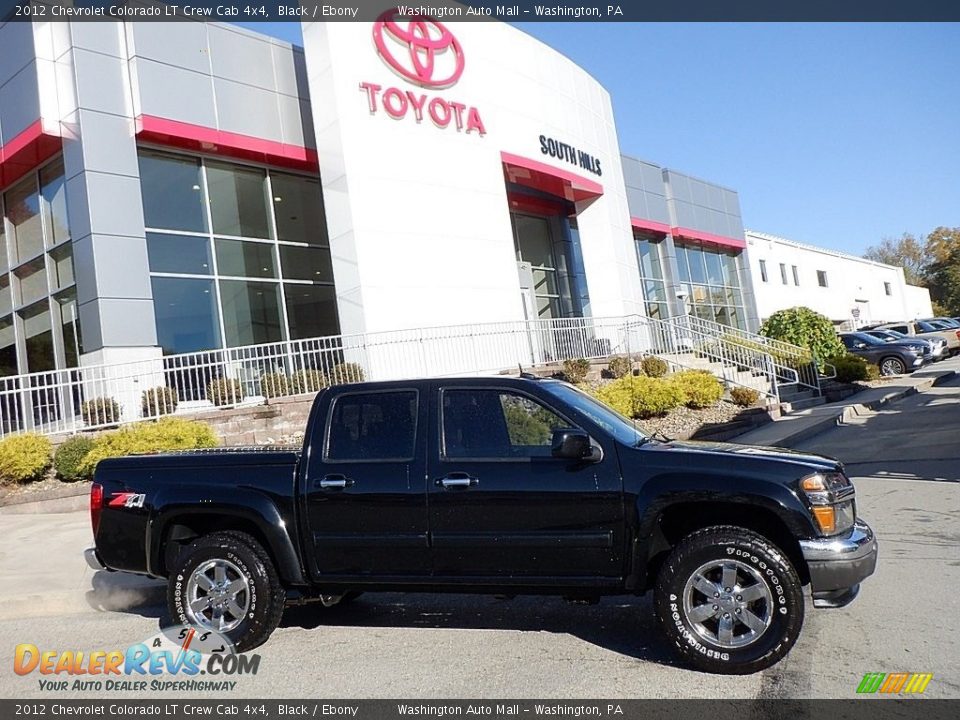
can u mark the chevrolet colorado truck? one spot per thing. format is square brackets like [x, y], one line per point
[491, 485]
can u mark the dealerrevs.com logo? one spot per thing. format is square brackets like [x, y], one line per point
[421, 51]
[172, 661]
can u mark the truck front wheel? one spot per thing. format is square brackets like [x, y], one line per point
[729, 601]
[226, 582]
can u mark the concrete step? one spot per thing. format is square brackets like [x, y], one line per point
[804, 404]
[793, 394]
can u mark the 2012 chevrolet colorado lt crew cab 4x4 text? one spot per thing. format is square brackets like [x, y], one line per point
[491, 485]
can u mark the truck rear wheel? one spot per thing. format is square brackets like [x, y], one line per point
[729, 601]
[226, 582]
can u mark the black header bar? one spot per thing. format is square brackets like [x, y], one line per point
[516, 11]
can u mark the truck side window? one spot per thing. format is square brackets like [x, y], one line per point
[496, 424]
[373, 426]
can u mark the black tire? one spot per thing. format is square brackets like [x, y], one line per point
[750, 553]
[266, 597]
[898, 366]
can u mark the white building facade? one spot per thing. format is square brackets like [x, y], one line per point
[850, 290]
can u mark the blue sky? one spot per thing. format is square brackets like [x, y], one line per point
[833, 134]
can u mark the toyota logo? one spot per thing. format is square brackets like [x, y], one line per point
[422, 50]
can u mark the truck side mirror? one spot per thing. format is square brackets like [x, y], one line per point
[574, 444]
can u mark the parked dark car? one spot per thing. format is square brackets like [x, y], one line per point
[491, 485]
[934, 348]
[944, 322]
[892, 358]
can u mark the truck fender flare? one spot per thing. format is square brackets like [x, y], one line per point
[665, 491]
[243, 504]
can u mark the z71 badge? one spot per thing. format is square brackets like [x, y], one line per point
[130, 500]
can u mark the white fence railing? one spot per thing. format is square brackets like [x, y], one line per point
[96, 396]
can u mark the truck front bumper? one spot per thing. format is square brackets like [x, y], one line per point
[839, 564]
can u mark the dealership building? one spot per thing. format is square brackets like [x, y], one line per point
[170, 188]
[850, 290]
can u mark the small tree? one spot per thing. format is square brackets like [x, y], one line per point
[806, 328]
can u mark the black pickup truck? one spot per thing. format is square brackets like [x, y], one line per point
[491, 485]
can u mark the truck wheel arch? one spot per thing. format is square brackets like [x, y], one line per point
[675, 521]
[173, 531]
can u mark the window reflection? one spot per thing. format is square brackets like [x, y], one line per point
[245, 259]
[237, 200]
[251, 312]
[298, 208]
[38, 337]
[186, 254]
[22, 206]
[54, 193]
[186, 313]
[8, 347]
[311, 311]
[172, 191]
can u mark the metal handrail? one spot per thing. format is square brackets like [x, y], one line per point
[103, 395]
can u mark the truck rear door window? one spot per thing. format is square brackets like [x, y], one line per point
[372, 426]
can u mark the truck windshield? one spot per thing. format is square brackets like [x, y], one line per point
[604, 416]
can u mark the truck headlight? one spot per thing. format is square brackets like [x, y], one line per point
[832, 501]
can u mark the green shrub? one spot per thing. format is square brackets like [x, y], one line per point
[575, 371]
[24, 457]
[620, 366]
[148, 437]
[806, 328]
[70, 455]
[654, 366]
[160, 400]
[700, 388]
[274, 385]
[308, 381]
[744, 396]
[224, 391]
[640, 396]
[100, 411]
[851, 368]
[346, 373]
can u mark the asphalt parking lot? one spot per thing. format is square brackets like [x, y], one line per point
[904, 459]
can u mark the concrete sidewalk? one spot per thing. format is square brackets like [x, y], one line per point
[791, 429]
[44, 573]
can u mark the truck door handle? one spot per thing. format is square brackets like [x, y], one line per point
[336, 481]
[458, 480]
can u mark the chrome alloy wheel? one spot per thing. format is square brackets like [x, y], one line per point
[218, 595]
[892, 366]
[727, 603]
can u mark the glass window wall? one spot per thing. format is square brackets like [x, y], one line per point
[714, 283]
[36, 261]
[649, 256]
[271, 279]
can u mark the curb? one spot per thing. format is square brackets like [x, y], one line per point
[849, 412]
[71, 503]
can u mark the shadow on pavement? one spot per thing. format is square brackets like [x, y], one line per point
[625, 625]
